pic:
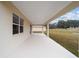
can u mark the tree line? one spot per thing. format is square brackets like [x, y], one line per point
[65, 24]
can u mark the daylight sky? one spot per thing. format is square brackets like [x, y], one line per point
[72, 15]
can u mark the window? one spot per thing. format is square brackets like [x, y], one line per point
[21, 21]
[15, 29]
[17, 24]
[21, 25]
[15, 19]
[21, 29]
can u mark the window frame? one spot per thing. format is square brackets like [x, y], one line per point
[18, 23]
[21, 25]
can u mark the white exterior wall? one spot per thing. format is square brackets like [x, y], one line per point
[8, 41]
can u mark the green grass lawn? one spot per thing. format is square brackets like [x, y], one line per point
[67, 38]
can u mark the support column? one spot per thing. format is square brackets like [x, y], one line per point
[47, 29]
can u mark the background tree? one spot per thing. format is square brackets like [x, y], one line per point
[65, 24]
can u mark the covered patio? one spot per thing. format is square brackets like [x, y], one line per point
[18, 38]
[38, 45]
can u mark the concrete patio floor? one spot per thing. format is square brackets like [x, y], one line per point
[40, 46]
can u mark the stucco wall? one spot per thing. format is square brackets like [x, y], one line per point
[8, 41]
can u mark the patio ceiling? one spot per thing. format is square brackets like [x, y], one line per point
[38, 12]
